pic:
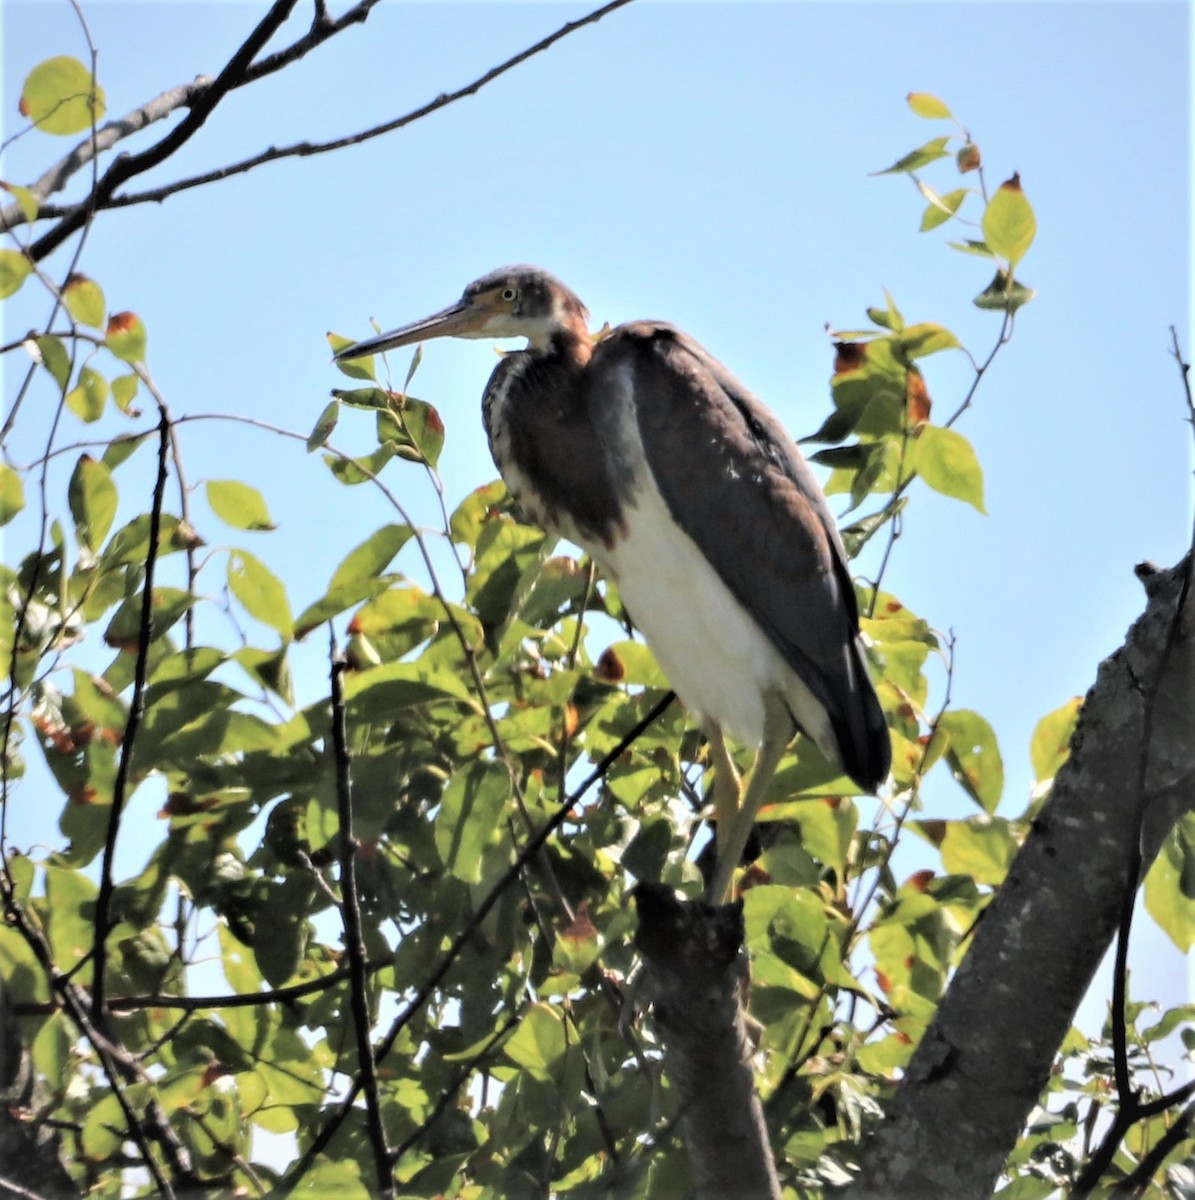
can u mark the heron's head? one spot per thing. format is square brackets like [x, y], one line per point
[510, 302]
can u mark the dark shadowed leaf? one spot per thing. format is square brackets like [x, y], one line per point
[470, 816]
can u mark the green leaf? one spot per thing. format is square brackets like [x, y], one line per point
[930, 107]
[239, 505]
[60, 96]
[981, 847]
[12, 494]
[26, 201]
[1050, 745]
[927, 338]
[324, 426]
[940, 209]
[124, 630]
[947, 463]
[14, 270]
[85, 301]
[372, 556]
[476, 510]
[922, 156]
[327, 1178]
[126, 337]
[1170, 885]
[1004, 294]
[88, 397]
[124, 390]
[354, 368]
[470, 816]
[974, 756]
[92, 498]
[54, 358]
[260, 592]
[384, 690]
[425, 427]
[352, 471]
[1009, 225]
[539, 1043]
[971, 246]
[123, 447]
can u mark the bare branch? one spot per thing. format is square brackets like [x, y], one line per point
[55, 178]
[127, 166]
[307, 149]
[103, 901]
[351, 912]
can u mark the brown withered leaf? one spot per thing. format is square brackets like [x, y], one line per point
[580, 928]
[849, 356]
[610, 668]
[968, 158]
[917, 401]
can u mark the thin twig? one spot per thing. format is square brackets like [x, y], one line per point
[350, 908]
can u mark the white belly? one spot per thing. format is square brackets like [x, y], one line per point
[717, 659]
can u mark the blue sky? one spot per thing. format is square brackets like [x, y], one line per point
[707, 164]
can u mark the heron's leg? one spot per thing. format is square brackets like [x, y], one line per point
[777, 733]
[728, 787]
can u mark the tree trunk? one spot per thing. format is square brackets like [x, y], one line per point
[695, 968]
[982, 1064]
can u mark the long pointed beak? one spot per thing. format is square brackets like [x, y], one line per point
[457, 320]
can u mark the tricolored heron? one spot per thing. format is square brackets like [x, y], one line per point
[647, 453]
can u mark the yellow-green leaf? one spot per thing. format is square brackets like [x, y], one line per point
[259, 591]
[126, 336]
[85, 301]
[1170, 885]
[26, 200]
[60, 96]
[1009, 225]
[981, 847]
[372, 556]
[124, 390]
[14, 270]
[974, 756]
[324, 426]
[12, 494]
[940, 208]
[934, 149]
[947, 463]
[239, 505]
[1050, 745]
[88, 397]
[92, 498]
[354, 368]
[925, 105]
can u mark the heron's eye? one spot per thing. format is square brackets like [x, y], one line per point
[510, 294]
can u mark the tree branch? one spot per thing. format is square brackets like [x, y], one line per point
[307, 149]
[103, 901]
[982, 1064]
[695, 970]
[350, 908]
[127, 166]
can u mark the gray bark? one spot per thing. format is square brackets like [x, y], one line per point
[982, 1064]
[695, 967]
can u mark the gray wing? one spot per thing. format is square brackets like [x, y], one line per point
[735, 481]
